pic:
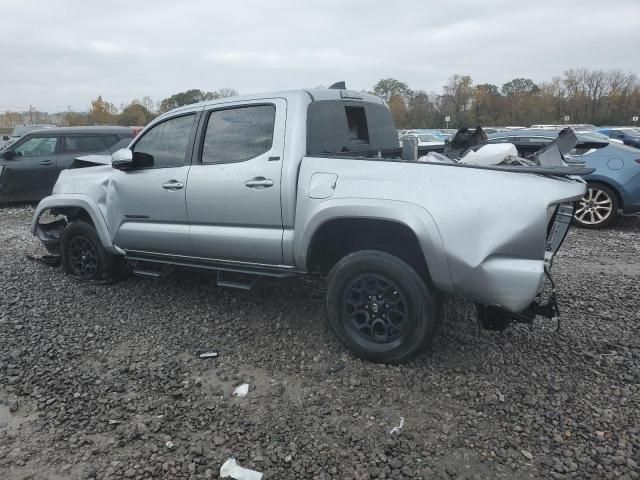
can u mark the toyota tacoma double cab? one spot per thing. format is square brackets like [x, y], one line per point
[313, 182]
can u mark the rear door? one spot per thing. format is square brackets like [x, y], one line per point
[233, 195]
[146, 205]
[31, 173]
[75, 145]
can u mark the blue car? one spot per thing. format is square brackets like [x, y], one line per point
[629, 136]
[614, 186]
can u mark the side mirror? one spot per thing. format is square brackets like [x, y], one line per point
[125, 159]
[6, 138]
[9, 154]
[122, 159]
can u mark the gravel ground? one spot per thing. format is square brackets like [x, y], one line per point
[106, 382]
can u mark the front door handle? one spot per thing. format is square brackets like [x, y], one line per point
[259, 183]
[173, 185]
[46, 162]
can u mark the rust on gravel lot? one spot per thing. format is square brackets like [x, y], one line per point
[94, 381]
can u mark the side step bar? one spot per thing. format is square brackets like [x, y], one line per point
[243, 281]
[229, 274]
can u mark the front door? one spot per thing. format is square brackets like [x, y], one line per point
[233, 194]
[31, 173]
[146, 205]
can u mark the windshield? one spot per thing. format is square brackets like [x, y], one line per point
[428, 138]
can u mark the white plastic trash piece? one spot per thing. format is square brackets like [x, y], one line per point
[492, 154]
[435, 157]
[242, 390]
[230, 469]
[209, 355]
[398, 428]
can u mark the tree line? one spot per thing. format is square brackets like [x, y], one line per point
[585, 96]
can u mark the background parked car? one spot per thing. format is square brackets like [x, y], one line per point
[21, 130]
[615, 184]
[628, 136]
[425, 139]
[29, 167]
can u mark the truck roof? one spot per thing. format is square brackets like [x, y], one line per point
[311, 95]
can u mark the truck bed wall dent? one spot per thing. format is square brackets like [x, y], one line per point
[482, 232]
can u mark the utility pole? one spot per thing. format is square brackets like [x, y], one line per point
[31, 113]
[69, 115]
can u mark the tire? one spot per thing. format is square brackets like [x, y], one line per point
[85, 259]
[598, 208]
[372, 284]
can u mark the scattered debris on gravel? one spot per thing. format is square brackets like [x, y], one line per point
[100, 382]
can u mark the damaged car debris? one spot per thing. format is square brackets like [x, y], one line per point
[229, 186]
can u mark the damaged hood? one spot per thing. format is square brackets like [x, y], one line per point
[90, 161]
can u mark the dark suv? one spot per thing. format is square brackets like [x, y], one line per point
[29, 167]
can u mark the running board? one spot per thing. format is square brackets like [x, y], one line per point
[145, 271]
[175, 261]
[243, 281]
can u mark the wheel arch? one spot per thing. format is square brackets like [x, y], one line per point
[77, 207]
[355, 224]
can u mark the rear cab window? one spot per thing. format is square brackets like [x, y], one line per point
[341, 126]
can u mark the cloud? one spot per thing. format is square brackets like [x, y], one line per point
[68, 52]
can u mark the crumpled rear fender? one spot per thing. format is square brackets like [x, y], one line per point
[84, 202]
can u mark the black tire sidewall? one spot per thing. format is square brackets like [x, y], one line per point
[421, 305]
[106, 262]
[614, 204]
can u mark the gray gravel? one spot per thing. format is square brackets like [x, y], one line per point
[106, 382]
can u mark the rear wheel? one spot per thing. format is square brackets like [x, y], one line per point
[598, 208]
[84, 258]
[379, 307]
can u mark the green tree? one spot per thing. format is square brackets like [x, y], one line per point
[135, 114]
[390, 87]
[194, 96]
[102, 112]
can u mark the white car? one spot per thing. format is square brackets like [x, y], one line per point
[425, 139]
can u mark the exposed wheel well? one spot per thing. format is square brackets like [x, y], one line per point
[337, 238]
[73, 213]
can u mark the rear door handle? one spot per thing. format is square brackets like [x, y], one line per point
[259, 183]
[173, 185]
[46, 162]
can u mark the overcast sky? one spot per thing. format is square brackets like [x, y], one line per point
[56, 53]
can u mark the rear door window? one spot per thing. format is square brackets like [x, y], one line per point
[238, 134]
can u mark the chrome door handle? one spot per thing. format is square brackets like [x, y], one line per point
[173, 185]
[46, 162]
[259, 183]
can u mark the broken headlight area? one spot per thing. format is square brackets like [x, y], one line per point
[49, 230]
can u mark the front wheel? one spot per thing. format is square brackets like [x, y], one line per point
[598, 208]
[84, 258]
[379, 307]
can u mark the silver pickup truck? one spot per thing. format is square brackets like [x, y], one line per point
[313, 182]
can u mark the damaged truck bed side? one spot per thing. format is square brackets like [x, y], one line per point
[313, 182]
